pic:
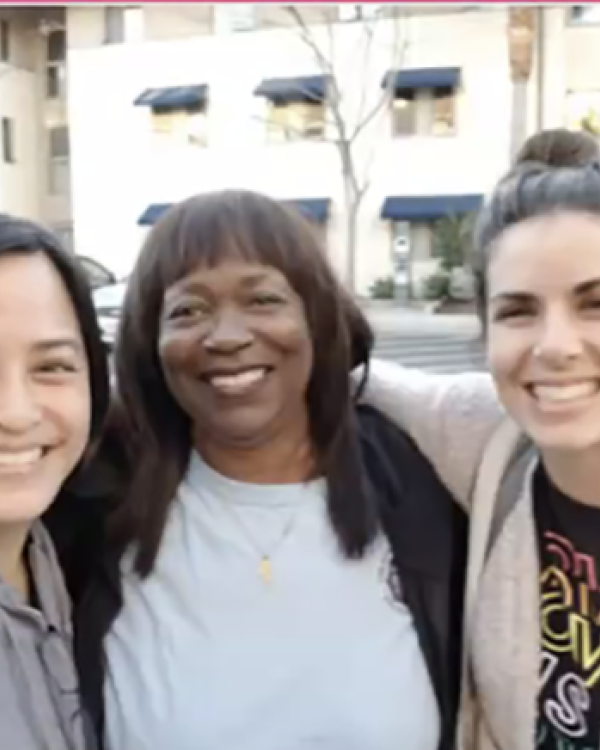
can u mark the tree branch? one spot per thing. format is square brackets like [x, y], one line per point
[369, 33]
[347, 133]
[398, 52]
[307, 37]
[325, 63]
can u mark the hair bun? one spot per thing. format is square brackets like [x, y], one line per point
[559, 148]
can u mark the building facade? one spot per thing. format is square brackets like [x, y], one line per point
[34, 159]
[113, 113]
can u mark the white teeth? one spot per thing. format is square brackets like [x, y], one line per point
[235, 383]
[21, 460]
[561, 393]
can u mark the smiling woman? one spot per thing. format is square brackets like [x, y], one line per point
[285, 568]
[545, 302]
[533, 593]
[251, 375]
[203, 305]
[44, 401]
[53, 399]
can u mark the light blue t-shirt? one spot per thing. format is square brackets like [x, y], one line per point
[206, 655]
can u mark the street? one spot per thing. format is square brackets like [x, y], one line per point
[439, 343]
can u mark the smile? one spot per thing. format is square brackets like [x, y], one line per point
[20, 462]
[238, 383]
[567, 393]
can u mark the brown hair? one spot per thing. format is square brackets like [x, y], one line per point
[555, 170]
[203, 231]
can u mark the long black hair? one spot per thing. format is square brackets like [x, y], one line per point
[203, 231]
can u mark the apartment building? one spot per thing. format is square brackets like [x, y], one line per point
[34, 158]
[113, 113]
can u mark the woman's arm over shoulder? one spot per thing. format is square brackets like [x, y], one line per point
[450, 417]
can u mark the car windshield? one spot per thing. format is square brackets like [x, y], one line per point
[110, 295]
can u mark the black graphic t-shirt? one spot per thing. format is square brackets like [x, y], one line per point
[569, 548]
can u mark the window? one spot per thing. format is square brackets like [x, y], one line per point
[185, 126]
[296, 121]
[8, 140]
[426, 112]
[404, 115]
[56, 81]
[4, 41]
[443, 113]
[59, 142]
[234, 17]
[58, 151]
[56, 71]
[583, 14]
[114, 25]
[57, 46]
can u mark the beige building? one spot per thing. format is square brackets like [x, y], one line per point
[34, 158]
[111, 113]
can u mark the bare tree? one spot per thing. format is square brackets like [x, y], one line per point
[347, 127]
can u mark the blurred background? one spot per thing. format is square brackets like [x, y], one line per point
[384, 125]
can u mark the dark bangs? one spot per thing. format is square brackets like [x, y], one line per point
[206, 230]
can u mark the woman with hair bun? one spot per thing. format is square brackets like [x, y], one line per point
[521, 450]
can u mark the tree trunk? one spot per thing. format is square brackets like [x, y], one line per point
[351, 237]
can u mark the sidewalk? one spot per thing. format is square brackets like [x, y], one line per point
[409, 321]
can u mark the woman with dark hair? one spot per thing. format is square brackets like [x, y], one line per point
[53, 398]
[285, 568]
[532, 479]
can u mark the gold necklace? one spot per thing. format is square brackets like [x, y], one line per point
[265, 568]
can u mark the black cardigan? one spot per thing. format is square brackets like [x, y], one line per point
[427, 532]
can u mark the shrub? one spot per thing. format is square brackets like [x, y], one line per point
[384, 288]
[436, 286]
[453, 240]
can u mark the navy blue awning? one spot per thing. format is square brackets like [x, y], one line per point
[173, 97]
[306, 88]
[315, 209]
[428, 207]
[422, 78]
[153, 213]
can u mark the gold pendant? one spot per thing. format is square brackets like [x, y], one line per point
[264, 569]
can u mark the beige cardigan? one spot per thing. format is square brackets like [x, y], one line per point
[452, 419]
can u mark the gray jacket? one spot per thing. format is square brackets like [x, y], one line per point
[39, 695]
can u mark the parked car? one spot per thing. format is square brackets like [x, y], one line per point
[108, 301]
[98, 275]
